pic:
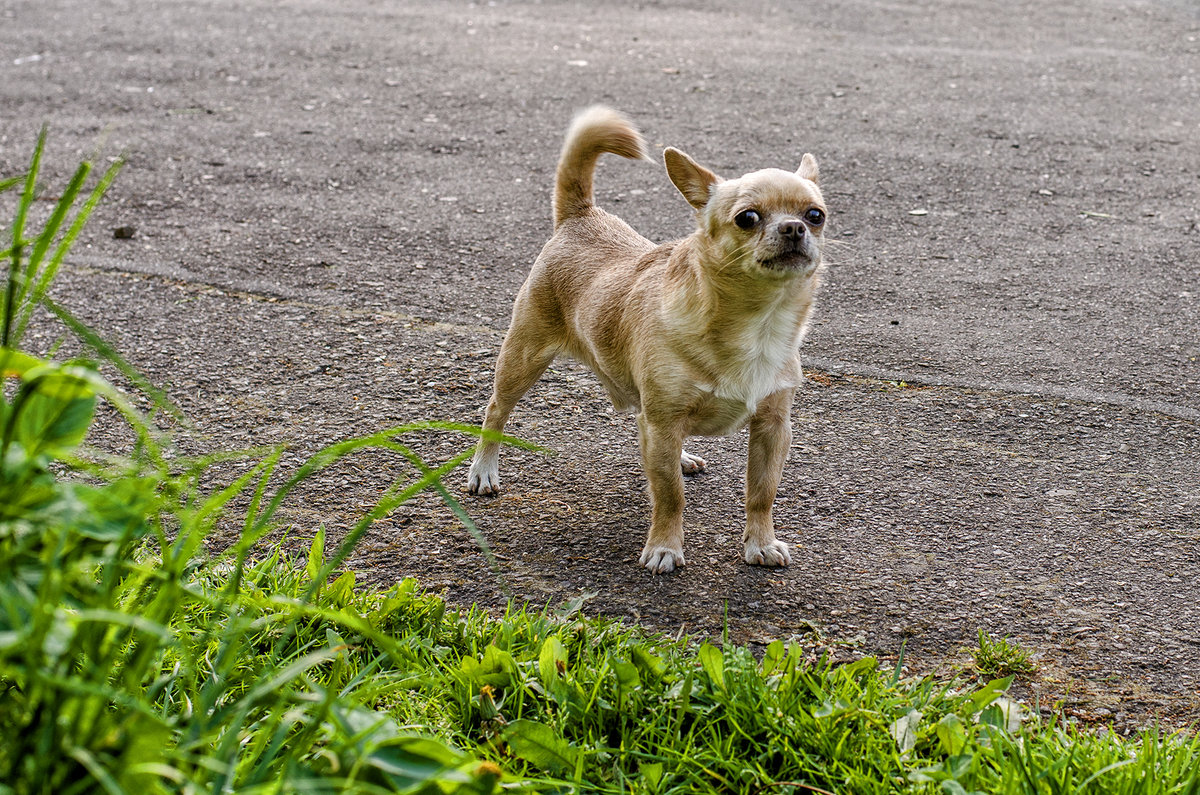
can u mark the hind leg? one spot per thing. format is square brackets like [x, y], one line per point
[691, 464]
[522, 361]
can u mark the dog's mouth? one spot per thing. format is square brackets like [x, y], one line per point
[791, 253]
[790, 259]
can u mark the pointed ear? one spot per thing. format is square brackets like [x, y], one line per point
[693, 180]
[808, 168]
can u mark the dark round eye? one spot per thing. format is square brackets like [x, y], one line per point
[814, 217]
[747, 219]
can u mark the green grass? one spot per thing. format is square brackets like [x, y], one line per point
[134, 658]
[1001, 657]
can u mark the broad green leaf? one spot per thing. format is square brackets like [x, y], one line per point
[952, 734]
[334, 640]
[413, 761]
[627, 674]
[652, 773]
[316, 554]
[573, 606]
[904, 730]
[409, 762]
[990, 692]
[952, 787]
[552, 656]
[552, 668]
[541, 745]
[681, 691]
[959, 765]
[496, 668]
[773, 657]
[341, 590]
[15, 363]
[650, 665]
[1003, 714]
[713, 663]
[108, 514]
[53, 411]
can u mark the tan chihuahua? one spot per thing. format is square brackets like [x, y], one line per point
[701, 336]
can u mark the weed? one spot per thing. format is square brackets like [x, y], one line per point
[1001, 657]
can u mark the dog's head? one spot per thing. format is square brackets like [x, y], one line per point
[768, 222]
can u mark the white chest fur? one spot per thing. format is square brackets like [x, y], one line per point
[760, 356]
[762, 362]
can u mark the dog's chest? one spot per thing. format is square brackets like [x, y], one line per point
[755, 360]
[759, 356]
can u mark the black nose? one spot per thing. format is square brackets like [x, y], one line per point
[792, 228]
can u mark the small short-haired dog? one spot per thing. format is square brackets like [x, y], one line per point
[701, 336]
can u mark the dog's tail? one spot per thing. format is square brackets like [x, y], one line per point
[595, 131]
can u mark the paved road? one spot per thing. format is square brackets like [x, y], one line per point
[336, 202]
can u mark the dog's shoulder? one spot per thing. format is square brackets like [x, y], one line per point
[658, 255]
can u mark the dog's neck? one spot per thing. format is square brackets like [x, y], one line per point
[742, 330]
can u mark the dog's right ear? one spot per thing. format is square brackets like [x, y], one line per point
[693, 180]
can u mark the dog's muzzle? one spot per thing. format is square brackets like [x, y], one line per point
[794, 247]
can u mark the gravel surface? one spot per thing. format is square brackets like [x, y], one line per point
[328, 208]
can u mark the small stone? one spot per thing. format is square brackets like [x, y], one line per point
[124, 232]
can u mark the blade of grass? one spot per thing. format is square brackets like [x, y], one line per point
[275, 681]
[12, 288]
[50, 269]
[461, 513]
[10, 294]
[338, 450]
[26, 201]
[393, 498]
[50, 229]
[99, 771]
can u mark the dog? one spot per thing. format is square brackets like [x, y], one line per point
[699, 336]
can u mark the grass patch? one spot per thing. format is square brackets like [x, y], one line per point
[1002, 657]
[135, 659]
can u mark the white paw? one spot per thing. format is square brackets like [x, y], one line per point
[772, 553]
[661, 560]
[484, 477]
[692, 464]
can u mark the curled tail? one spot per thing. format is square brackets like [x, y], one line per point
[594, 131]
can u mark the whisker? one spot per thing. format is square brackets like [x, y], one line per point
[732, 258]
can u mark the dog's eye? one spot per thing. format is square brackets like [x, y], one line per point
[747, 219]
[814, 217]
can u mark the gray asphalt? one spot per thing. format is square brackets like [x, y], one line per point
[335, 203]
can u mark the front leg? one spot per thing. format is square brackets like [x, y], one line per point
[661, 450]
[770, 440]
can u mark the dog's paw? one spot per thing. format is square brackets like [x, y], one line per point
[483, 479]
[692, 464]
[661, 560]
[772, 553]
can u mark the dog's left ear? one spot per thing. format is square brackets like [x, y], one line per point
[693, 180]
[808, 168]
